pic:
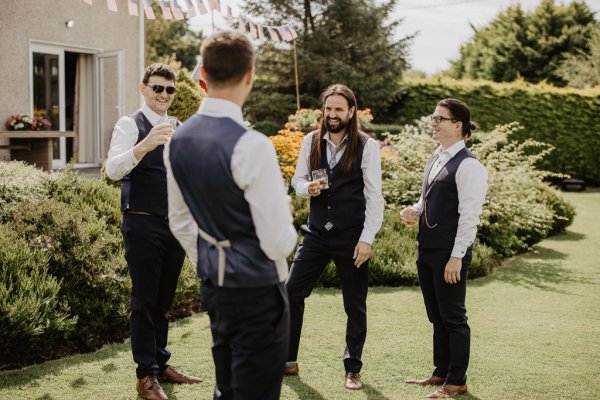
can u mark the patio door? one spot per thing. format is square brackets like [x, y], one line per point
[109, 67]
[48, 93]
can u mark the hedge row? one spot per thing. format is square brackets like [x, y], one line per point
[565, 118]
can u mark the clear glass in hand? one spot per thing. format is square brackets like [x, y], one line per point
[321, 175]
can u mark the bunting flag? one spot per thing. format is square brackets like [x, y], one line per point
[241, 24]
[229, 15]
[148, 9]
[216, 5]
[112, 5]
[176, 10]
[190, 8]
[253, 30]
[273, 34]
[164, 6]
[88, 1]
[260, 31]
[201, 7]
[133, 7]
[292, 32]
[284, 33]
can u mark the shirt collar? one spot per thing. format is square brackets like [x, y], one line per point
[326, 137]
[153, 117]
[452, 150]
[220, 108]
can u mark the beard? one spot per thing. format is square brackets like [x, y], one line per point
[336, 129]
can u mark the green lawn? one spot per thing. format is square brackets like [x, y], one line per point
[535, 324]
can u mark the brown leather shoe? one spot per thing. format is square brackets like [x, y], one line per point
[149, 389]
[171, 375]
[431, 381]
[353, 381]
[448, 392]
[291, 370]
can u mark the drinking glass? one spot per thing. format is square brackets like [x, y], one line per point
[321, 175]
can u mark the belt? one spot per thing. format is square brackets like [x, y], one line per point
[137, 212]
[220, 245]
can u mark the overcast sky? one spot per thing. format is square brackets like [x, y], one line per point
[442, 25]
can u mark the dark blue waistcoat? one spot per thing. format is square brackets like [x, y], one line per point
[343, 204]
[145, 187]
[439, 220]
[200, 155]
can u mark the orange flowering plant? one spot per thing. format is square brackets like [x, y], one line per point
[287, 145]
[364, 118]
[23, 122]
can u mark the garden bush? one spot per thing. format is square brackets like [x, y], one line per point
[188, 97]
[69, 244]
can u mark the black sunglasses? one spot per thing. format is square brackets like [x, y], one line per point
[161, 88]
[439, 118]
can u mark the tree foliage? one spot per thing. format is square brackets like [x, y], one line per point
[171, 40]
[531, 45]
[340, 41]
[583, 70]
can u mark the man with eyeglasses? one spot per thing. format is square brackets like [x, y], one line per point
[454, 188]
[153, 255]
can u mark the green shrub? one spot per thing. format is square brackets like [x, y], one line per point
[188, 97]
[563, 118]
[33, 316]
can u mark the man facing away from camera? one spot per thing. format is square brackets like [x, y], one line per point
[229, 210]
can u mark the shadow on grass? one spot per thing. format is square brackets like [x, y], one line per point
[567, 237]
[304, 390]
[31, 374]
[541, 268]
[373, 394]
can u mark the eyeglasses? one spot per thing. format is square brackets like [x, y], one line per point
[161, 88]
[439, 118]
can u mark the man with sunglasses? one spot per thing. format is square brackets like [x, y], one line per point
[454, 188]
[153, 255]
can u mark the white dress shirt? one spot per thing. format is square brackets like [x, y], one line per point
[471, 184]
[120, 159]
[371, 171]
[256, 171]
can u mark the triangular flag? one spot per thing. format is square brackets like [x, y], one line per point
[164, 6]
[176, 10]
[292, 32]
[261, 33]
[148, 9]
[241, 24]
[201, 7]
[112, 5]
[216, 5]
[283, 33]
[253, 30]
[273, 34]
[88, 1]
[190, 8]
[133, 7]
[229, 15]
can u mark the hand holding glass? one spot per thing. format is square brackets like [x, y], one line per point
[321, 175]
[409, 216]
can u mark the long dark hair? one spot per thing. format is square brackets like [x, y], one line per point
[460, 112]
[347, 163]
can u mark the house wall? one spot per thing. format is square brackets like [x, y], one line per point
[44, 20]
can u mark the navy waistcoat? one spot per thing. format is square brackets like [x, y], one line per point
[145, 187]
[439, 220]
[200, 155]
[343, 204]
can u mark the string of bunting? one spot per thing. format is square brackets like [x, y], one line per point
[172, 10]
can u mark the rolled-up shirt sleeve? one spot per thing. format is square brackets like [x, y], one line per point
[120, 160]
[301, 177]
[256, 171]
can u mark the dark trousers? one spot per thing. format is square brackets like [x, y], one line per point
[317, 249]
[250, 330]
[445, 305]
[154, 258]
